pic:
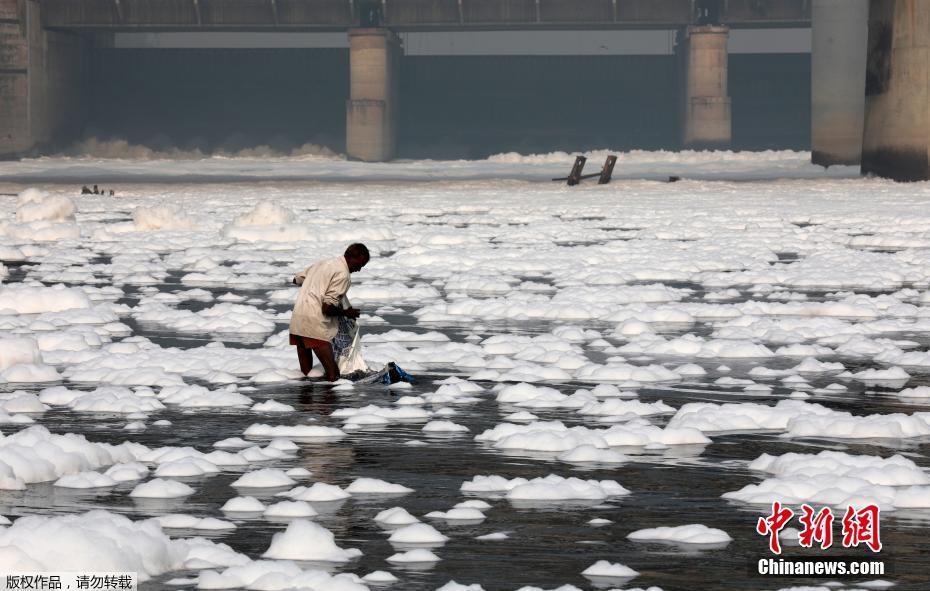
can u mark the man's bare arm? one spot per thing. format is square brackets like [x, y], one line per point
[333, 310]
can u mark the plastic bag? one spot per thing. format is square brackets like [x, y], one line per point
[347, 346]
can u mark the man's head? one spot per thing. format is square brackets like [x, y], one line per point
[357, 256]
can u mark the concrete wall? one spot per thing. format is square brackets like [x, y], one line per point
[840, 34]
[706, 117]
[896, 139]
[452, 107]
[220, 98]
[375, 56]
[42, 80]
[14, 79]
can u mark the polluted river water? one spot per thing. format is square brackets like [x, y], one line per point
[656, 344]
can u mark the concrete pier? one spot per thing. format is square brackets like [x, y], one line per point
[839, 42]
[706, 104]
[371, 111]
[42, 80]
[896, 139]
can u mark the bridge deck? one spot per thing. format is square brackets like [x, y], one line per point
[410, 14]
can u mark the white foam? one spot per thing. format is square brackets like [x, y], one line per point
[293, 431]
[243, 505]
[373, 486]
[102, 540]
[444, 427]
[395, 516]
[290, 509]
[264, 478]
[413, 556]
[417, 533]
[319, 492]
[603, 568]
[161, 489]
[85, 480]
[36, 455]
[547, 488]
[305, 540]
[683, 534]
[457, 514]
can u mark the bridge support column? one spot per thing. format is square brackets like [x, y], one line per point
[840, 34]
[42, 80]
[371, 111]
[706, 105]
[896, 139]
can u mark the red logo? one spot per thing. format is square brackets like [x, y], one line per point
[773, 524]
[817, 527]
[859, 527]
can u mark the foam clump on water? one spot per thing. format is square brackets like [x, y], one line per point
[318, 492]
[105, 399]
[161, 489]
[458, 514]
[380, 576]
[552, 487]
[395, 516]
[100, 540]
[444, 427]
[277, 574]
[264, 478]
[293, 431]
[453, 586]
[223, 318]
[373, 486]
[42, 217]
[305, 540]
[243, 505]
[590, 454]
[85, 480]
[416, 555]
[417, 533]
[265, 213]
[554, 436]
[182, 521]
[743, 416]
[683, 534]
[161, 217]
[36, 455]
[34, 205]
[844, 425]
[837, 479]
[290, 509]
[603, 568]
[28, 299]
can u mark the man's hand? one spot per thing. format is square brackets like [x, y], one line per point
[331, 310]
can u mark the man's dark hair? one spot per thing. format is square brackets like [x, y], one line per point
[358, 251]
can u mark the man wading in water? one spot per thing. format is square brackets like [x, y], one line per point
[315, 320]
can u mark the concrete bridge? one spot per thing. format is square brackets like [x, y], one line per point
[400, 15]
[44, 60]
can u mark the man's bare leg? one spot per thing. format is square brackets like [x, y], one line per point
[305, 358]
[326, 357]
